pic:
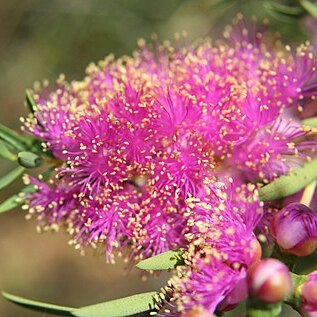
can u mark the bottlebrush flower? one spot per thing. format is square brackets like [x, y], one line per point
[295, 229]
[221, 247]
[159, 224]
[51, 205]
[54, 116]
[144, 142]
[204, 282]
[95, 162]
[272, 150]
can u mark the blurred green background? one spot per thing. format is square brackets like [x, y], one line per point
[41, 39]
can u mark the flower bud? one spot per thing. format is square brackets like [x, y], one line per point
[236, 296]
[269, 280]
[197, 312]
[295, 229]
[309, 292]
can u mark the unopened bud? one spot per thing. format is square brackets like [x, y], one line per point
[29, 159]
[295, 229]
[269, 280]
[309, 292]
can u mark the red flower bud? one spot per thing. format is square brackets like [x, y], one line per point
[269, 280]
[309, 292]
[295, 229]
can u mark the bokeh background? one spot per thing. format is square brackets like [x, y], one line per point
[39, 39]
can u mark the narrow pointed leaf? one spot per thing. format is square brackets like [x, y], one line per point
[39, 306]
[310, 7]
[16, 200]
[11, 176]
[6, 153]
[29, 159]
[30, 100]
[126, 306]
[282, 8]
[19, 142]
[164, 261]
[10, 203]
[284, 13]
[310, 122]
[291, 183]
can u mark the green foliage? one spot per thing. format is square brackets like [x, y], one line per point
[310, 7]
[6, 152]
[291, 183]
[164, 261]
[30, 101]
[18, 142]
[11, 176]
[282, 12]
[126, 306]
[16, 200]
[39, 306]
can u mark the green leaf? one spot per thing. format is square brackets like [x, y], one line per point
[310, 7]
[30, 100]
[164, 261]
[284, 13]
[39, 306]
[126, 306]
[282, 8]
[310, 122]
[18, 142]
[29, 159]
[6, 153]
[11, 176]
[291, 183]
[16, 200]
[10, 203]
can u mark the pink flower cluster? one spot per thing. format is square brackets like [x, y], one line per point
[158, 150]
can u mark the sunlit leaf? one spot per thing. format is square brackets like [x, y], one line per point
[11, 176]
[126, 306]
[164, 261]
[291, 183]
[310, 7]
[5, 152]
[29, 159]
[310, 122]
[40, 306]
